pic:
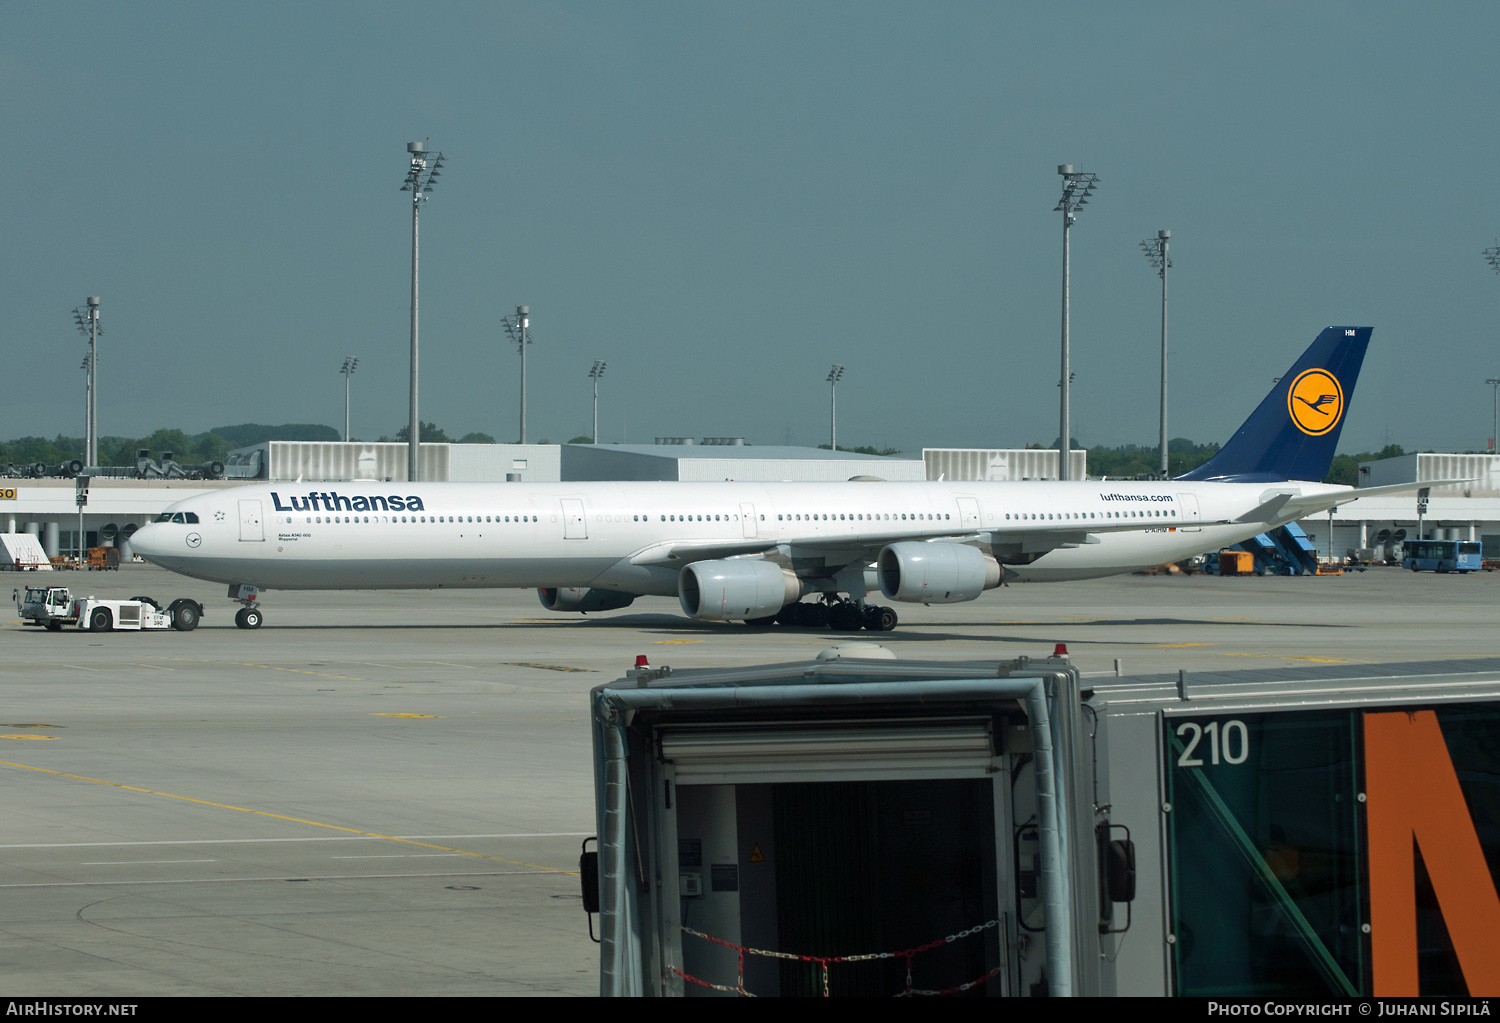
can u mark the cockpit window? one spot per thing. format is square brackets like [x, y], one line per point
[178, 518]
[164, 517]
[190, 516]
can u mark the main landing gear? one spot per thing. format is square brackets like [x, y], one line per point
[840, 616]
[248, 618]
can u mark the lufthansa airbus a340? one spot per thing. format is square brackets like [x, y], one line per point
[752, 551]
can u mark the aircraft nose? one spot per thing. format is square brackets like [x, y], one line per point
[146, 541]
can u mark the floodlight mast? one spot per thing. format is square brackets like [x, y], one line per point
[1492, 257]
[1077, 187]
[420, 178]
[518, 328]
[1495, 427]
[350, 362]
[834, 375]
[594, 375]
[1158, 256]
[88, 391]
[86, 318]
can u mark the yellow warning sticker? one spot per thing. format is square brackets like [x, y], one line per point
[756, 856]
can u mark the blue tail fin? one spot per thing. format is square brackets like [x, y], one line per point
[1293, 433]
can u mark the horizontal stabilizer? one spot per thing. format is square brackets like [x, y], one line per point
[1285, 507]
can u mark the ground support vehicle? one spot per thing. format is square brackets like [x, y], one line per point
[44, 605]
[1443, 556]
[869, 826]
[53, 608]
[104, 559]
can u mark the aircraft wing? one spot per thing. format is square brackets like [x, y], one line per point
[1032, 537]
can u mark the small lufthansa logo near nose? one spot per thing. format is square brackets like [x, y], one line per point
[193, 539]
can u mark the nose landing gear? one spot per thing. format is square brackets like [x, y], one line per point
[249, 616]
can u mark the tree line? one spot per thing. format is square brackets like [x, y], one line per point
[211, 445]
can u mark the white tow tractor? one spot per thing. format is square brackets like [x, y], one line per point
[53, 607]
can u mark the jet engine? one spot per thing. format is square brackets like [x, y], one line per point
[576, 598]
[734, 590]
[936, 573]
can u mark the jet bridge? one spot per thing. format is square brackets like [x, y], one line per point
[851, 826]
[880, 827]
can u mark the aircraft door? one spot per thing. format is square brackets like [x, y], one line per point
[747, 519]
[250, 521]
[575, 524]
[968, 512]
[1187, 509]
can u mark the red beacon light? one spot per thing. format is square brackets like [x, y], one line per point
[641, 662]
[1060, 650]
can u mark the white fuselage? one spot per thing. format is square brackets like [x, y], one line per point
[368, 535]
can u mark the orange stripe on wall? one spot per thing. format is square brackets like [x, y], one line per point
[1413, 795]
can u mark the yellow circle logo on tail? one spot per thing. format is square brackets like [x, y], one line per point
[1315, 402]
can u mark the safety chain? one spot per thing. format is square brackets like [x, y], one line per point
[824, 962]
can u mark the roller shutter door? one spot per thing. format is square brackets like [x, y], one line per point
[952, 748]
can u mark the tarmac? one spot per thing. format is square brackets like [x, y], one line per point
[385, 792]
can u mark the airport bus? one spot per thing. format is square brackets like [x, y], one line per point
[1443, 555]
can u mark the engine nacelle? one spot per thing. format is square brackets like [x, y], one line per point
[576, 598]
[735, 590]
[936, 573]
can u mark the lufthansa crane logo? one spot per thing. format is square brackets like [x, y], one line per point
[1315, 402]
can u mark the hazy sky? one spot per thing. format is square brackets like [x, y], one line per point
[722, 199]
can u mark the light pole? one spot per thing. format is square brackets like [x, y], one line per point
[834, 376]
[348, 370]
[420, 178]
[1156, 253]
[87, 320]
[1492, 257]
[518, 327]
[1495, 427]
[88, 410]
[1077, 187]
[594, 375]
